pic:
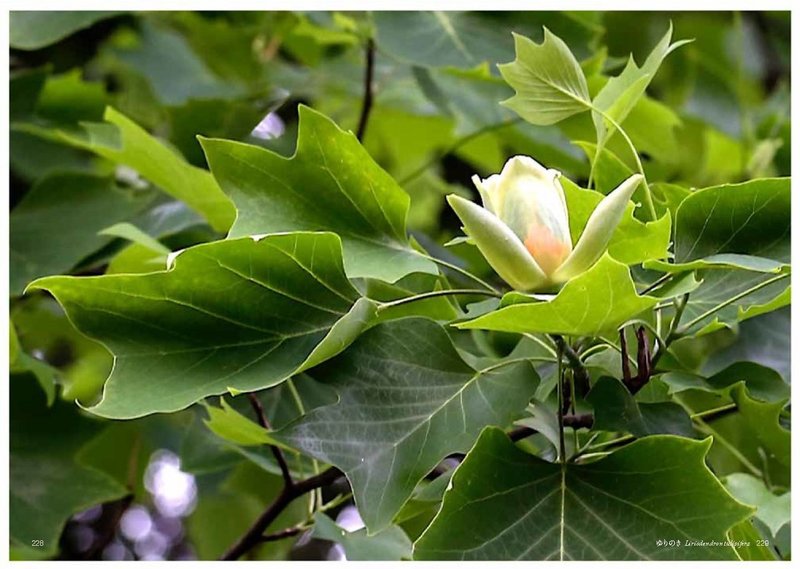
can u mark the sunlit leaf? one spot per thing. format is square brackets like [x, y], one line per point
[225, 316]
[330, 183]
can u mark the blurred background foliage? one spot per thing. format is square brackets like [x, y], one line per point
[717, 111]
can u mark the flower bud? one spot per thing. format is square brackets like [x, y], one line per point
[523, 227]
[529, 199]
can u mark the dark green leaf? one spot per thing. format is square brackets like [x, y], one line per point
[765, 339]
[739, 295]
[56, 225]
[616, 410]
[657, 488]
[406, 400]
[174, 71]
[47, 485]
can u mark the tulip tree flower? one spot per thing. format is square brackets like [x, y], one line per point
[523, 227]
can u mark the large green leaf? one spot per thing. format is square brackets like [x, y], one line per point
[549, 82]
[622, 507]
[406, 400]
[597, 301]
[227, 315]
[35, 30]
[751, 218]
[46, 485]
[469, 39]
[391, 544]
[331, 183]
[56, 225]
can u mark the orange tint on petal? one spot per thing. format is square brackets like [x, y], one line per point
[548, 251]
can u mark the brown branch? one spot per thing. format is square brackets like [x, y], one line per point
[585, 420]
[369, 89]
[255, 402]
[643, 362]
[575, 421]
[254, 535]
[519, 433]
[626, 365]
[278, 535]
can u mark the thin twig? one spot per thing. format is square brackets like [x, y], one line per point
[672, 334]
[582, 421]
[573, 359]
[461, 271]
[643, 360]
[283, 534]
[435, 293]
[369, 89]
[255, 402]
[254, 535]
[562, 453]
[655, 284]
[518, 433]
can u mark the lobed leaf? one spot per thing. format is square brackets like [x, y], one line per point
[549, 83]
[331, 183]
[226, 315]
[406, 400]
[595, 302]
[620, 507]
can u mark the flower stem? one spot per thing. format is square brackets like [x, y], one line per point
[435, 293]
[648, 196]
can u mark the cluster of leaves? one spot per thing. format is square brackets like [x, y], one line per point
[286, 324]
